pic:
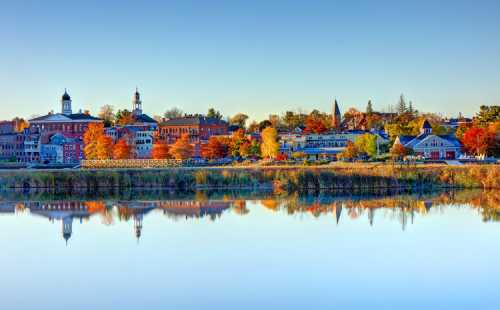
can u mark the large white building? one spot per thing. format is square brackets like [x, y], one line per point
[431, 146]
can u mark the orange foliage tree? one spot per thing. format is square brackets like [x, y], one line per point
[216, 148]
[398, 151]
[104, 147]
[182, 149]
[90, 140]
[315, 124]
[122, 150]
[160, 150]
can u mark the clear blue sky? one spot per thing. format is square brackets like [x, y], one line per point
[249, 56]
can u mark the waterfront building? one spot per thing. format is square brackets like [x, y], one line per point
[199, 128]
[71, 126]
[431, 146]
[140, 134]
[323, 146]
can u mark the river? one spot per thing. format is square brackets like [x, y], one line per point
[247, 250]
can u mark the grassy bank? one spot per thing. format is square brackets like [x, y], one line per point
[357, 177]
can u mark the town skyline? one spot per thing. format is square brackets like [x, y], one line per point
[388, 108]
[250, 57]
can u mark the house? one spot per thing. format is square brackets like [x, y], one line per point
[431, 146]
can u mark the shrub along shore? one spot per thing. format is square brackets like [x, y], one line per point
[356, 177]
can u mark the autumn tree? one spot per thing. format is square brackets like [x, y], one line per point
[292, 120]
[173, 113]
[216, 148]
[160, 150]
[124, 117]
[104, 147]
[239, 120]
[269, 147]
[90, 140]
[367, 143]
[182, 149]
[107, 114]
[237, 140]
[398, 151]
[315, 124]
[350, 151]
[264, 124]
[20, 124]
[122, 149]
[478, 141]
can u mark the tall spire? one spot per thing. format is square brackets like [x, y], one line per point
[336, 116]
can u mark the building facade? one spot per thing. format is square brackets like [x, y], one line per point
[431, 146]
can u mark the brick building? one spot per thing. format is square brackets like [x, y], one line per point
[71, 126]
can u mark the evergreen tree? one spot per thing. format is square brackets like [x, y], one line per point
[369, 108]
[410, 108]
[402, 105]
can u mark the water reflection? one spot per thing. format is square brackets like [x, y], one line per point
[401, 208]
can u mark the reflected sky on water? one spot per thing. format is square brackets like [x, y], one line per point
[231, 251]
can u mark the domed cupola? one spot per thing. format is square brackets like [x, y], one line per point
[65, 96]
[66, 104]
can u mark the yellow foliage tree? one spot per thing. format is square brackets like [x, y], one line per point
[269, 147]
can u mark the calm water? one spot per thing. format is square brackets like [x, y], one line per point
[250, 251]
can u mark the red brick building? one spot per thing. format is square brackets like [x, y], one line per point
[199, 128]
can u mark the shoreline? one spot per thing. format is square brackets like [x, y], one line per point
[344, 176]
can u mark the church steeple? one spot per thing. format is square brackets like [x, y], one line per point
[336, 116]
[136, 103]
[66, 104]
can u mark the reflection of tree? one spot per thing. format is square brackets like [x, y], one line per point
[271, 204]
[240, 207]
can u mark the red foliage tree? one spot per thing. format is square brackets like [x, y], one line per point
[216, 148]
[315, 125]
[281, 157]
[478, 140]
[160, 150]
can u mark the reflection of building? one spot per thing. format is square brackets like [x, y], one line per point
[136, 210]
[62, 211]
[7, 208]
[194, 209]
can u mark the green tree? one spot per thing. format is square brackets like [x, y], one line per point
[369, 108]
[402, 105]
[212, 113]
[487, 114]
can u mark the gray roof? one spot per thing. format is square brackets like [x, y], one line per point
[144, 118]
[83, 116]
